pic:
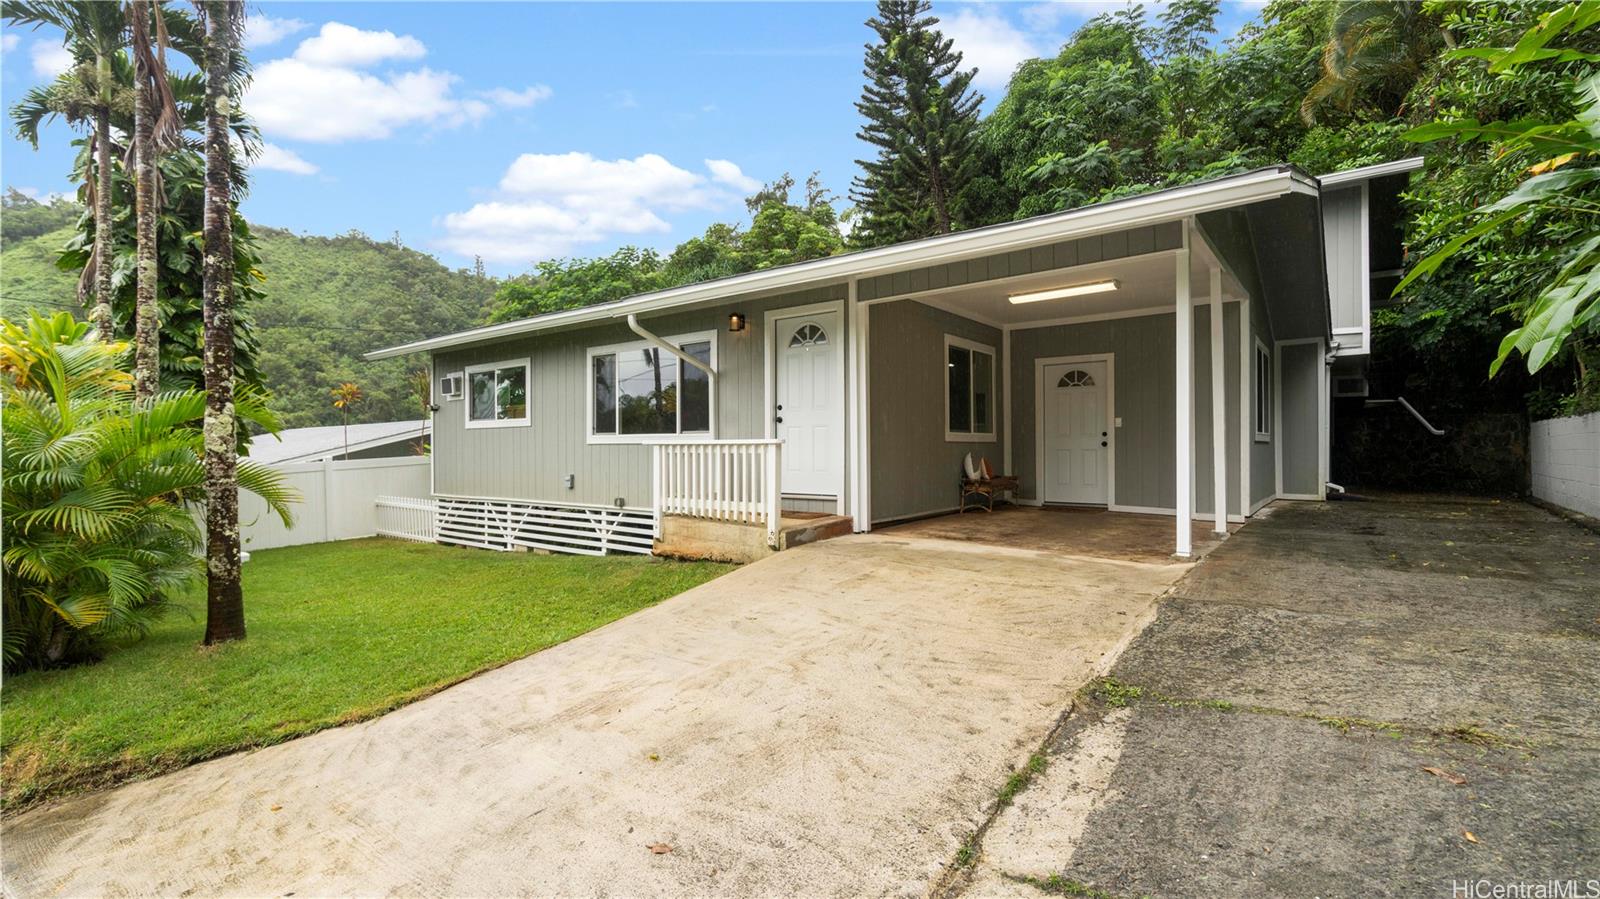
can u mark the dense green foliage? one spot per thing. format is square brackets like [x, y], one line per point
[97, 489]
[921, 121]
[22, 217]
[323, 302]
[339, 632]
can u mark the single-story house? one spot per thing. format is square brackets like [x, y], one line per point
[369, 440]
[1172, 353]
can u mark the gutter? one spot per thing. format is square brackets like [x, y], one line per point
[1115, 215]
[633, 324]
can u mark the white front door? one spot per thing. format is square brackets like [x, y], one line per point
[1077, 443]
[809, 409]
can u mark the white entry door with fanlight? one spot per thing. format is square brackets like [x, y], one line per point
[1076, 429]
[808, 400]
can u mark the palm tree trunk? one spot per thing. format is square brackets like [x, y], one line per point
[101, 313]
[224, 592]
[147, 333]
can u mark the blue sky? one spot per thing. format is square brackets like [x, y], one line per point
[526, 131]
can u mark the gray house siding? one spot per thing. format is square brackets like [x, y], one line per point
[531, 463]
[1263, 454]
[915, 471]
[1145, 367]
[1068, 253]
[1342, 233]
[1301, 364]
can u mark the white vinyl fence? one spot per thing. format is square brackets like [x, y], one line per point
[340, 500]
[1564, 454]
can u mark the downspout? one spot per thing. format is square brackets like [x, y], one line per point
[633, 325]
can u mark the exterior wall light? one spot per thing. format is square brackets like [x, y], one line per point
[736, 321]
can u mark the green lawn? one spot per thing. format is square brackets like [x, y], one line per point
[338, 632]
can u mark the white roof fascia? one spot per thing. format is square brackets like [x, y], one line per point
[1369, 172]
[1131, 212]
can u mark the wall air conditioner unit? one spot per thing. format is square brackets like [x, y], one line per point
[450, 386]
[1349, 385]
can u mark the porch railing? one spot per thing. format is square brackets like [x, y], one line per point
[407, 518]
[720, 480]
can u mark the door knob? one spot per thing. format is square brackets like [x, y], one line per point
[780, 419]
[1102, 443]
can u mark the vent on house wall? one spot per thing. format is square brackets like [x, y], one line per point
[450, 387]
[1350, 385]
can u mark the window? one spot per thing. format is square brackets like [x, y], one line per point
[969, 390]
[1076, 378]
[497, 394]
[1263, 392]
[640, 390]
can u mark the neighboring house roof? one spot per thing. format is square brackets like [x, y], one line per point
[1369, 172]
[315, 444]
[1128, 212]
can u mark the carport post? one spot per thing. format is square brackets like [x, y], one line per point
[1184, 372]
[1219, 410]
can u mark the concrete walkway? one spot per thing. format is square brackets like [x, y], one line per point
[833, 720]
[1387, 698]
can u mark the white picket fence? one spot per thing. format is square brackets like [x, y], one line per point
[721, 480]
[339, 500]
[407, 518]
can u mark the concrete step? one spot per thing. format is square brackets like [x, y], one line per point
[725, 541]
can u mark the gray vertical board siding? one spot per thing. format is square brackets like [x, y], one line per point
[1065, 254]
[1263, 457]
[1145, 400]
[1341, 229]
[532, 462]
[1302, 363]
[915, 471]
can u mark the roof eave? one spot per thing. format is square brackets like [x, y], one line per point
[1369, 172]
[1157, 206]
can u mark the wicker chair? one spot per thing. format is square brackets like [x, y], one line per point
[981, 492]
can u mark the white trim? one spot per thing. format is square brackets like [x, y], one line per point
[769, 367]
[591, 438]
[1039, 364]
[1219, 409]
[862, 337]
[1366, 269]
[848, 497]
[1257, 506]
[972, 346]
[1324, 420]
[912, 516]
[1184, 404]
[1277, 420]
[1096, 317]
[1368, 172]
[1116, 215]
[1246, 426]
[1338, 331]
[1301, 497]
[526, 363]
[1261, 348]
[931, 296]
[1005, 394]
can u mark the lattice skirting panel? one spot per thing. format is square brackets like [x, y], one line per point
[558, 527]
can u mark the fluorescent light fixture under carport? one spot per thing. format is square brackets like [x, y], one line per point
[1057, 293]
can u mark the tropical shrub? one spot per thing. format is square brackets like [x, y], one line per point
[98, 532]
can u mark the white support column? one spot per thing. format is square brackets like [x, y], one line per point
[1247, 411]
[861, 317]
[853, 420]
[1184, 387]
[1219, 411]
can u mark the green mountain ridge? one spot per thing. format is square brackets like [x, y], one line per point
[327, 300]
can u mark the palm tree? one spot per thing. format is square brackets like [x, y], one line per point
[98, 535]
[156, 128]
[224, 591]
[1376, 50]
[95, 33]
[345, 396]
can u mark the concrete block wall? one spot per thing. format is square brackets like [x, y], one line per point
[1564, 455]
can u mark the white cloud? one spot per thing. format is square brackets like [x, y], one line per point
[9, 42]
[552, 204]
[49, 59]
[504, 96]
[278, 159]
[262, 31]
[725, 172]
[321, 92]
[988, 41]
[42, 196]
[338, 44]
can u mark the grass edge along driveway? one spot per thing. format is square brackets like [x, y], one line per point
[338, 633]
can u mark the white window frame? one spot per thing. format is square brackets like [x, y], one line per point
[951, 340]
[466, 394]
[677, 340]
[1259, 397]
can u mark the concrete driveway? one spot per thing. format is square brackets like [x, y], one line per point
[833, 720]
